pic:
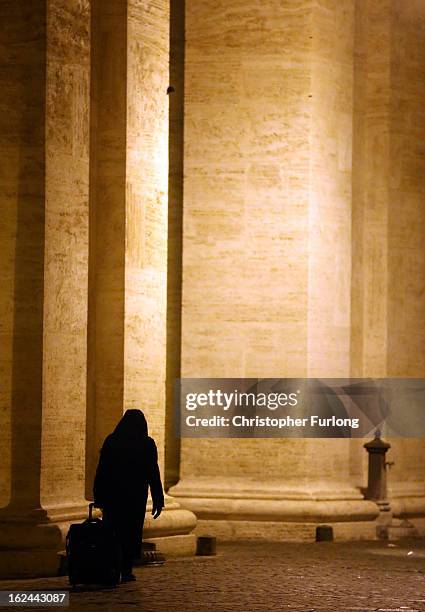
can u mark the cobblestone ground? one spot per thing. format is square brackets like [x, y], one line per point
[322, 577]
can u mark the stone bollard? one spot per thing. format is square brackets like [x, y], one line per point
[324, 533]
[206, 546]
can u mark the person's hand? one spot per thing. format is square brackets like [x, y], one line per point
[156, 511]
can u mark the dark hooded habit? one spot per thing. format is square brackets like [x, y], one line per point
[127, 469]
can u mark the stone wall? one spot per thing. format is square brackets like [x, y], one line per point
[289, 248]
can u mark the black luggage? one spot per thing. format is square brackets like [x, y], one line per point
[93, 553]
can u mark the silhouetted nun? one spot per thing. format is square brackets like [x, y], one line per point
[128, 467]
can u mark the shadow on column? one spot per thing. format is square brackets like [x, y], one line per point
[175, 231]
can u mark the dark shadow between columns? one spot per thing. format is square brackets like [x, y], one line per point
[175, 232]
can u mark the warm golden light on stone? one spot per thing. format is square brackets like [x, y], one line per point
[256, 210]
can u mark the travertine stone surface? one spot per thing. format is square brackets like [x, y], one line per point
[117, 287]
[299, 256]
[246, 197]
[406, 219]
[302, 250]
[247, 115]
[329, 235]
[267, 222]
[47, 205]
[388, 218]
[146, 244]
[22, 190]
[47, 202]
[370, 189]
[388, 214]
[105, 375]
[371, 170]
[129, 213]
[329, 230]
[66, 253]
[406, 225]
[129, 209]
[146, 212]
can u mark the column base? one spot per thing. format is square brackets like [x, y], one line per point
[175, 546]
[31, 543]
[284, 531]
[408, 503]
[232, 509]
[172, 532]
[21, 564]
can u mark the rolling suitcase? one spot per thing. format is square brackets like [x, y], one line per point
[93, 553]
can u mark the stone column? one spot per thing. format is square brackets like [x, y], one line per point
[267, 252]
[406, 259]
[23, 39]
[66, 257]
[106, 287]
[127, 337]
[388, 219]
[370, 192]
[46, 197]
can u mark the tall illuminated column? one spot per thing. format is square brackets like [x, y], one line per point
[46, 227]
[388, 219]
[267, 252]
[128, 248]
[146, 244]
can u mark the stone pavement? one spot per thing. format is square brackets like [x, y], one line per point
[322, 577]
